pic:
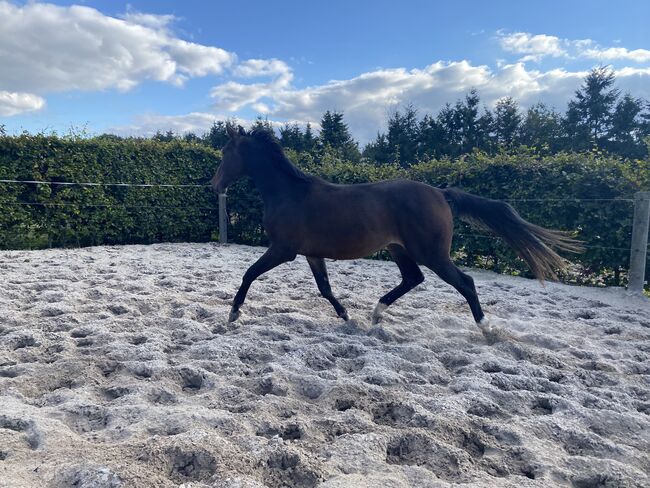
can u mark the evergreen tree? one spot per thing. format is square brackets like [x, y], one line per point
[541, 129]
[449, 125]
[309, 141]
[403, 136]
[263, 124]
[575, 132]
[291, 137]
[336, 135]
[474, 129]
[507, 123]
[217, 136]
[166, 137]
[191, 137]
[590, 113]
[432, 140]
[378, 150]
[627, 131]
[487, 138]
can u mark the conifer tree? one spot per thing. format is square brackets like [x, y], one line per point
[336, 135]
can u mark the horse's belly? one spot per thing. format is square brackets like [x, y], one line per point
[339, 246]
[340, 227]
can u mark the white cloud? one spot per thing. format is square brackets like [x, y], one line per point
[615, 53]
[535, 47]
[47, 48]
[252, 68]
[233, 96]
[148, 20]
[12, 103]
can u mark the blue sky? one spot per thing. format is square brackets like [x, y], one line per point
[136, 67]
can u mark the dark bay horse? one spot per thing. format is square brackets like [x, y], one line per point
[306, 215]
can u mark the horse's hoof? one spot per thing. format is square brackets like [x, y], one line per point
[484, 324]
[377, 313]
[345, 316]
[234, 315]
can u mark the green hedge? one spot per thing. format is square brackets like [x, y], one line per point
[80, 216]
[125, 215]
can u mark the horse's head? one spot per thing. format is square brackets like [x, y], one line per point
[232, 165]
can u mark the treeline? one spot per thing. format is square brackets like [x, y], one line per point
[598, 117]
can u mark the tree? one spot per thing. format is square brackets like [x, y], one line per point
[336, 135]
[378, 150]
[627, 130]
[589, 114]
[291, 137]
[474, 129]
[449, 126]
[191, 137]
[507, 123]
[541, 129]
[217, 136]
[432, 138]
[403, 136]
[263, 124]
[309, 141]
[166, 137]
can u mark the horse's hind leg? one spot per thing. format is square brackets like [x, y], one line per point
[411, 277]
[319, 270]
[459, 280]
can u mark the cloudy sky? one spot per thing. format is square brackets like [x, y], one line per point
[147, 65]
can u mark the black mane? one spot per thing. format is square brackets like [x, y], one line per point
[269, 143]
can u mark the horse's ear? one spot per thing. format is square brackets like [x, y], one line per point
[242, 132]
[232, 132]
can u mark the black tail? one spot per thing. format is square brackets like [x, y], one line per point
[533, 243]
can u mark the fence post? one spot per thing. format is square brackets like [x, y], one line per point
[639, 248]
[223, 219]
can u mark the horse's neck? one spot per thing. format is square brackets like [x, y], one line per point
[274, 184]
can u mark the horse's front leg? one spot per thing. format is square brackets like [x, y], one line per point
[274, 256]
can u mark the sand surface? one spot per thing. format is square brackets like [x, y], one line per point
[117, 369]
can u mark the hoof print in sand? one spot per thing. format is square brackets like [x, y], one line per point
[288, 468]
[33, 436]
[88, 477]
[190, 464]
